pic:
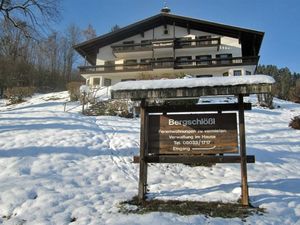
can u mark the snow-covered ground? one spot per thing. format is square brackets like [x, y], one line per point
[57, 167]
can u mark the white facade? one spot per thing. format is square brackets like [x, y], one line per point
[222, 59]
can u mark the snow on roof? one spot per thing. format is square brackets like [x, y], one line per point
[193, 82]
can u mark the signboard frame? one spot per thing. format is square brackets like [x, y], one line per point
[148, 157]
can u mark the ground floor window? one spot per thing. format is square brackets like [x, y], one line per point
[237, 73]
[248, 72]
[128, 80]
[205, 75]
[96, 81]
[107, 82]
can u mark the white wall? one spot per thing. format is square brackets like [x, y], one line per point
[229, 45]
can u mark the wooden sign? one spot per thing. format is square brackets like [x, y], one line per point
[193, 134]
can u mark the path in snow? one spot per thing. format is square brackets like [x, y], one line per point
[56, 166]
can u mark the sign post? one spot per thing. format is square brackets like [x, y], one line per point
[193, 137]
[173, 133]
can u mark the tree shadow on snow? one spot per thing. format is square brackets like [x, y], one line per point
[280, 189]
[37, 151]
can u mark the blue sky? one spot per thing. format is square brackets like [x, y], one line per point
[279, 19]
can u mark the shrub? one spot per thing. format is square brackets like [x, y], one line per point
[74, 90]
[17, 94]
[295, 123]
[112, 108]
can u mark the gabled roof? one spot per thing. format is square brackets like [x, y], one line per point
[250, 39]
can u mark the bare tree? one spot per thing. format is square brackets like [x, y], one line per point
[89, 32]
[73, 34]
[30, 15]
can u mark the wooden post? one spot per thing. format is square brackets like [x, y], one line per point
[143, 151]
[245, 193]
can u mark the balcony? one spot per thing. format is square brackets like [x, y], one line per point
[177, 43]
[170, 64]
[197, 43]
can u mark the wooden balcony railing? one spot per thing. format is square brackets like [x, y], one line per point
[172, 64]
[166, 43]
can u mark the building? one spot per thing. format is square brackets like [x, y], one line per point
[167, 45]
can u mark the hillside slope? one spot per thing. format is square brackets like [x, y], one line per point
[59, 167]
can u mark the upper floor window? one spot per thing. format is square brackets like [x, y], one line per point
[130, 64]
[203, 59]
[203, 40]
[183, 42]
[184, 60]
[224, 58]
[145, 43]
[109, 65]
[237, 73]
[165, 62]
[128, 45]
[130, 61]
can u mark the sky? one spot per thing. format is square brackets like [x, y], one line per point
[279, 19]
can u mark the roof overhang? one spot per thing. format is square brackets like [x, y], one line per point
[250, 39]
[192, 87]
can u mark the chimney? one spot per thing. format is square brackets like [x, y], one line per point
[165, 9]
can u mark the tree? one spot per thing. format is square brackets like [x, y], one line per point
[89, 33]
[115, 28]
[29, 15]
[70, 56]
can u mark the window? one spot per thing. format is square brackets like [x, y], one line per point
[130, 64]
[224, 58]
[130, 61]
[166, 62]
[205, 75]
[166, 31]
[127, 80]
[237, 73]
[226, 74]
[107, 82]
[148, 60]
[183, 42]
[145, 43]
[109, 65]
[248, 72]
[128, 45]
[203, 40]
[184, 60]
[96, 81]
[203, 59]
[145, 63]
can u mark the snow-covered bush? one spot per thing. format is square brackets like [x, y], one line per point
[17, 94]
[295, 123]
[121, 108]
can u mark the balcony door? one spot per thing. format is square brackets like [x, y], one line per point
[109, 66]
[224, 58]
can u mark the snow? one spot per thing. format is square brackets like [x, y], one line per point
[193, 82]
[56, 166]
